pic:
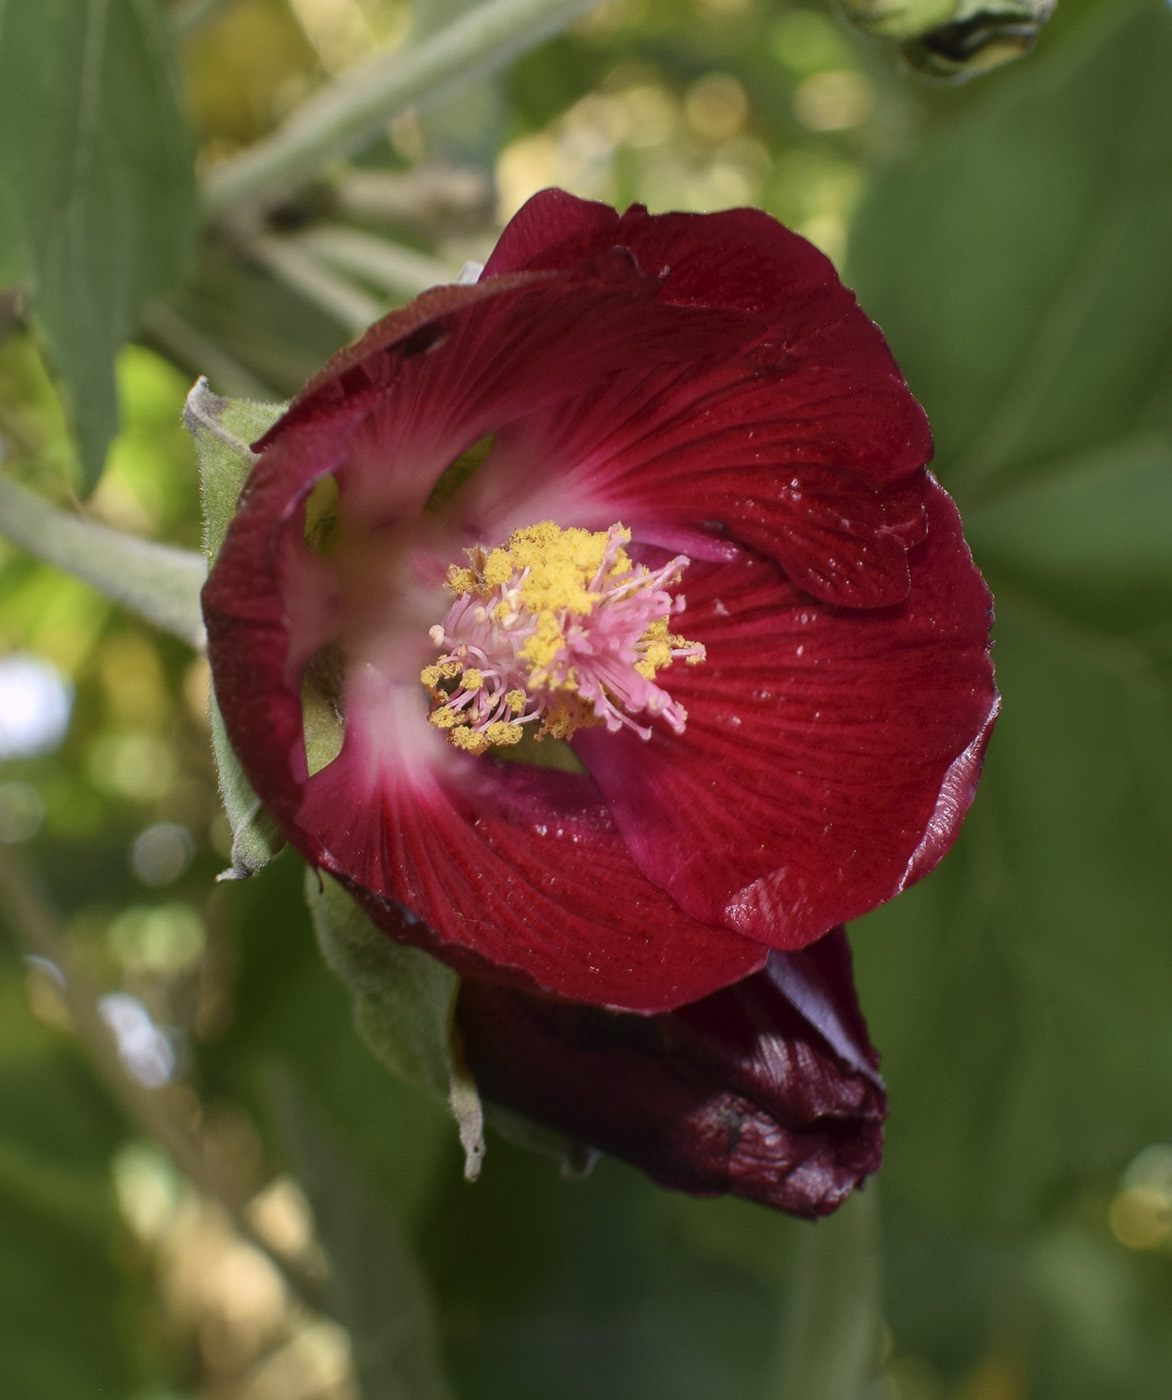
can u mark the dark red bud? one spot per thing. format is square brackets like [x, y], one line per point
[767, 1089]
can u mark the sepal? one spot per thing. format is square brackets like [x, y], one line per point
[403, 1002]
[223, 429]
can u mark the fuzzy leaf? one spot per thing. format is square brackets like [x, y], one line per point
[97, 187]
[403, 1003]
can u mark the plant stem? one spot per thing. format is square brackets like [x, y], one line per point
[159, 582]
[399, 271]
[353, 107]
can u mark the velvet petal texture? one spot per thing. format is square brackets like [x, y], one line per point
[766, 1090]
[707, 382]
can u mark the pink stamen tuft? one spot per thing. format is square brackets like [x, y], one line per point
[562, 628]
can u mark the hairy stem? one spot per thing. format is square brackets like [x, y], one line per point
[159, 582]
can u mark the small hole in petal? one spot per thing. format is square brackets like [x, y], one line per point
[322, 718]
[457, 473]
[321, 517]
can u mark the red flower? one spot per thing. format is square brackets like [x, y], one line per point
[766, 1090]
[702, 548]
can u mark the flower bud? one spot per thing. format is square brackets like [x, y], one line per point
[953, 39]
[766, 1090]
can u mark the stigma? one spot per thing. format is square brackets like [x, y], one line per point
[558, 629]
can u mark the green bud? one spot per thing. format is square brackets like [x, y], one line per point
[953, 39]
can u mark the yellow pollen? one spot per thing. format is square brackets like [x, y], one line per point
[461, 580]
[531, 594]
[471, 740]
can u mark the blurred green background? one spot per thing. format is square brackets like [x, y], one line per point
[1013, 237]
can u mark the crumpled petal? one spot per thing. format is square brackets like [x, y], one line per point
[767, 1090]
[829, 757]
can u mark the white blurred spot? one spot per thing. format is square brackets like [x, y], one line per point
[35, 704]
[146, 1052]
[161, 853]
[21, 812]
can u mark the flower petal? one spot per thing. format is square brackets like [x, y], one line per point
[460, 362]
[508, 871]
[829, 756]
[516, 873]
[806, 445]
[742, 1092]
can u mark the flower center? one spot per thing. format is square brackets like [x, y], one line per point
[558, 628]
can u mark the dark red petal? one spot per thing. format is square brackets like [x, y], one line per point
[803, 446]
[728, 457]
[517, 874]
[737, 257]
[767, 1089]
[829, 755]
[484, 355]
[562, 909]
[510, 872]
[614, 381]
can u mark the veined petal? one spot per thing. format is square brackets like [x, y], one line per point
[742, 1092]
[515, 873]
[508, 872]
[394, 410]
[805, 445]
[829, 756]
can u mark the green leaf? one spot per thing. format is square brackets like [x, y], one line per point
[97, 194]
[1019, 264]
[378, 1290]
[255, 836]
[403, 1004]
[222, 429]
[1091, 536]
